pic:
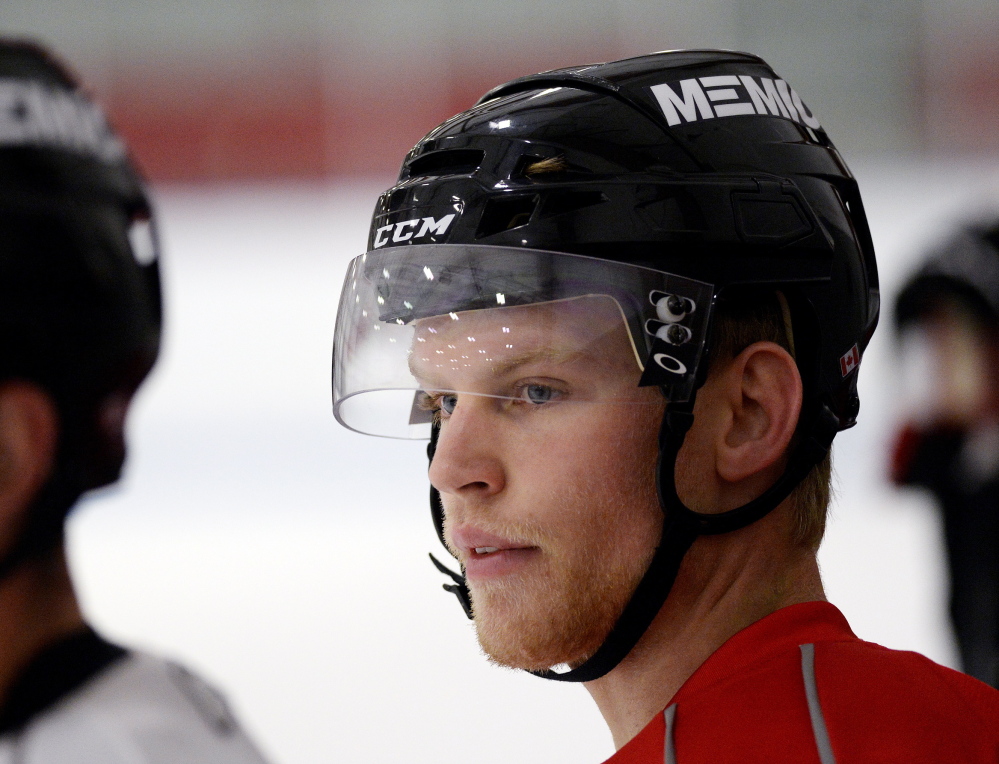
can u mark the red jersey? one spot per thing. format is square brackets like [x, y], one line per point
[799, 686]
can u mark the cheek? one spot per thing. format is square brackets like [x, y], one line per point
[695, 468]
[630, 472]
[575, 452]
[601, 476]
[587, 433]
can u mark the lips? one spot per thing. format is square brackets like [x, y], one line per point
[486, 555]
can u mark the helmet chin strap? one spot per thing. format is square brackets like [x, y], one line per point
[460, 587]
[681, 527]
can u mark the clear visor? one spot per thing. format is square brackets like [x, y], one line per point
[422, 325]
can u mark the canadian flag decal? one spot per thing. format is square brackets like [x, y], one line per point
[848, 362]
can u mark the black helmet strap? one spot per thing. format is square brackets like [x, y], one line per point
[681, 527]
[460, 587]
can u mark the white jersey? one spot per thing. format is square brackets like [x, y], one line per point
[136, 710]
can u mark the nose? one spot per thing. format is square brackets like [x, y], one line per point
[468, 460]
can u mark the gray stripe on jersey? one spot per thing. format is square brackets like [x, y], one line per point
[814, 707]
[669, 751]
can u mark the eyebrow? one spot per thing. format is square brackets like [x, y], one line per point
[546, 354]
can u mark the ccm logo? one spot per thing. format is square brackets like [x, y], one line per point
[730, 95]
[405, 230]
[669, 363]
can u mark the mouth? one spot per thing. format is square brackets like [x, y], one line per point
[483, 565]
[486, 556]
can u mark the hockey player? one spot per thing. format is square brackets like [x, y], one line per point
[79, 330]
[951, 442]
[627, 303]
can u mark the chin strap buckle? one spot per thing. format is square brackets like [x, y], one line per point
[459, 588]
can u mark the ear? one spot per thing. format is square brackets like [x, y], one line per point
[29, 430]
[762, 391]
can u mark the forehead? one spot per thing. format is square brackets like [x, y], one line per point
[587, 330]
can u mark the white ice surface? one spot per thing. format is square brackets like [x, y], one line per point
[285, 558]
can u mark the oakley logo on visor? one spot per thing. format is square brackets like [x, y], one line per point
[669, 363]
[417, 228]
[728, 96]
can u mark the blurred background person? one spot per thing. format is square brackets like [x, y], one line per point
[80, 319]
[948, 317]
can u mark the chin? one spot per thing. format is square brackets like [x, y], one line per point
[521, 631]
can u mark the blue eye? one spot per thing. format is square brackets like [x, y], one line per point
[539, 393]
[448, 402]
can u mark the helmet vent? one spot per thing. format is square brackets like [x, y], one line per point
[539, 169]
[449, 162]
[506, 213]
[530, 166]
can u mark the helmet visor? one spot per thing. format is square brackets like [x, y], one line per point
[421, 325]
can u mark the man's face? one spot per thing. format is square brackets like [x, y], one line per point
[546, 469]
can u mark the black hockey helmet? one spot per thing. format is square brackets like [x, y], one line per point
[965, 269]
[80, 310]
[665, 181]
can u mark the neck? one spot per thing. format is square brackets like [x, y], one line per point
[38, 607]
[725, 584]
